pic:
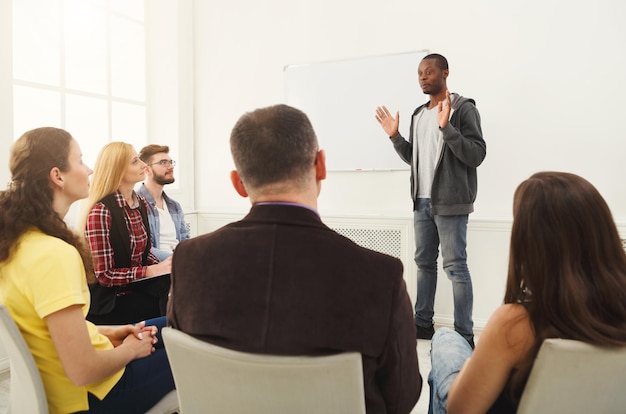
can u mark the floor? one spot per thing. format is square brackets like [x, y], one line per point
[423, 354]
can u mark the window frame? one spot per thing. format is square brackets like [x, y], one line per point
[179, 126]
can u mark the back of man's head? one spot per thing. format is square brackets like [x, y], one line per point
[273, 145]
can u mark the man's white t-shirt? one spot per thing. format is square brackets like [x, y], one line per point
[167, 236]
[430, 144]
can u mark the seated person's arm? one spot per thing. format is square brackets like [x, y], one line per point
[504, 342]
[160, 254]
[83, 364]
[117, 333]
[185, 234]
[98, 236]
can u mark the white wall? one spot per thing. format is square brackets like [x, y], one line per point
[546, 76]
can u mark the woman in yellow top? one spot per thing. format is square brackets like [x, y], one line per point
[44, 271]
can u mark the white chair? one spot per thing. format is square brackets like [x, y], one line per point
[574, 377]
[167, 404]
[27, 394]
[211, 379]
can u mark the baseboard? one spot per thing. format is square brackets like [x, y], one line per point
[448, 322]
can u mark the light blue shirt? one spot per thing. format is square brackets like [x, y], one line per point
[178, 217]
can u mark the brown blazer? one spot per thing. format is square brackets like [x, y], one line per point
[281, 282]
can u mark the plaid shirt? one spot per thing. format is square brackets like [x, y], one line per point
[97, 233]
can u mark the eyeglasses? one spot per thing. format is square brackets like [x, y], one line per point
[165, 163]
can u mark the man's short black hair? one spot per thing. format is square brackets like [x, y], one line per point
[442, 62]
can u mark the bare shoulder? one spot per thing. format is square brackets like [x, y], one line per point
[502, 346]
[509, 328]
[509, 312]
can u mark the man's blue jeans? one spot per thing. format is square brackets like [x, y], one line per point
[451, 233]
[448, 353]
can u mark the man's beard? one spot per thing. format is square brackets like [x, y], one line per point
[161, 180]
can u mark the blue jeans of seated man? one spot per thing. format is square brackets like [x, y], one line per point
[448, 353]
[451, 233]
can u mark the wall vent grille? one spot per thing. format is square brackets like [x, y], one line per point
[388, 241]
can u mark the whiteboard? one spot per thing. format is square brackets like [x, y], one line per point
[340, 97]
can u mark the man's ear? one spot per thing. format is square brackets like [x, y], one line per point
[445, 73]
[56, 178]
[320, 166]
[148, 171]
[235, 179]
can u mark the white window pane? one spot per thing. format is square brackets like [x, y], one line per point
[34, 108]
[87, 120]
[129, 8]
[36, 41]
[85, 47]
[129, 124]
[128, 73]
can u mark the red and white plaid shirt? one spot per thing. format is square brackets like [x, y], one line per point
[98, 236]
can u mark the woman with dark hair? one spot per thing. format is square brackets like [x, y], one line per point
[566, 279]
[44, 270]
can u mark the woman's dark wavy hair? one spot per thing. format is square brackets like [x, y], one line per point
[27, 202]
[567, 265]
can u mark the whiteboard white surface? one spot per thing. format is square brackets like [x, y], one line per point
[340, 97]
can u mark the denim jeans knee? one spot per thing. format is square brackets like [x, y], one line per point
[449, 351]
[453, 236]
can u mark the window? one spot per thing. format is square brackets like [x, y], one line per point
[80, 65]
[105, 70]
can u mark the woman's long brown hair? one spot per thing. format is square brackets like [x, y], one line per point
[27, 202]
[567, 265]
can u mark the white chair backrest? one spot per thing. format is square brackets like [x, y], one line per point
[211, 379]
[167, 404]
[27, 394]
[574, 377]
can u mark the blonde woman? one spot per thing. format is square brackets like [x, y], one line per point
[44, 270]
[131, 283]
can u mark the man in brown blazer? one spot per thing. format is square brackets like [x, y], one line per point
[281, 282]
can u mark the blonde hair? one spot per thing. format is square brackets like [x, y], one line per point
[110, 168]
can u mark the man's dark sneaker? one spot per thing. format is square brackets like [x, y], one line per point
[425, 332]
[470, 341]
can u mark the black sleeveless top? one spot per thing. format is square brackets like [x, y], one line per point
[103, 297]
